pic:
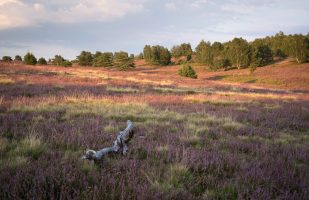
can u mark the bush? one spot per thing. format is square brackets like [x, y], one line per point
[6, 58]
[18, 58]
[187, 71]
[66, 63]
[30, 59]
[42, 61]
[122, 61]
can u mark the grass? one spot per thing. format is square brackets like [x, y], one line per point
[4, 80]
[15, 153]
[215, 102]
[230, 125]
[177, 178]
[252, 79]
[122, 90]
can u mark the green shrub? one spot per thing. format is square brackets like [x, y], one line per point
[66, 63]
[157, 55]
[18, 58]
[42, 61]
[30, 59]
[103, 59]
[85, 58]
[122, 61]
[6, 58]
[60, 61]
[187, 71]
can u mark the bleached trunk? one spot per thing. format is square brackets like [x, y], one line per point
[119, 145]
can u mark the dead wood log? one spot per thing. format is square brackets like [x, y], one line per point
[120, 145]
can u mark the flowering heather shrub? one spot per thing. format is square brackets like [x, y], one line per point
[180, 150]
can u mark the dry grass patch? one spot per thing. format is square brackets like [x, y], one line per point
[209, 100]
[5, 80]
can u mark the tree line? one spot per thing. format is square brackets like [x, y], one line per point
[236, 53]
[120, 60]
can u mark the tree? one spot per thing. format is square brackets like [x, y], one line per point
[103, 59]
[187, 71]
[18, 58]
[122, 61]
[298, 47]
[42, 61]
[164, 56]
[261, 55]
[218, 58]
[204, 53]
[157, 55]
[238, 52]
[85, 58]
[6, 58]
[277, 44]
[58, 60]
[182, 50]
[140, 56]
[132, 56]
[66, 63]
[30, 59]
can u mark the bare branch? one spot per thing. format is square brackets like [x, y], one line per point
[119, 145]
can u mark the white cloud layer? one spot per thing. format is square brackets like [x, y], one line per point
[17, 13]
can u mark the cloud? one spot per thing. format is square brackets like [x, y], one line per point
[16, 13]
[170, 6]
[245, 6]
[199, 3]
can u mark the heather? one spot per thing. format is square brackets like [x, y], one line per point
[208, 140]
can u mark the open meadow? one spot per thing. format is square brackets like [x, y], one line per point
[224, 135]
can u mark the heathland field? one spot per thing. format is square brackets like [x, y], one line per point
[224, 135]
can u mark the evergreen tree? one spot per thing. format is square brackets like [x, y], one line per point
[85, 58]
[42, 61]
[7, 59]
[147, 53]
[30, 59]
[157, 55]
[182, 50]
[261, 55]
[58, 60]
[140, 56]
[18, 58]
[204, 53]
[103, 59]
[187, 71]
[122, 61]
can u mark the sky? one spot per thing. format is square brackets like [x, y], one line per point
[66, 27]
